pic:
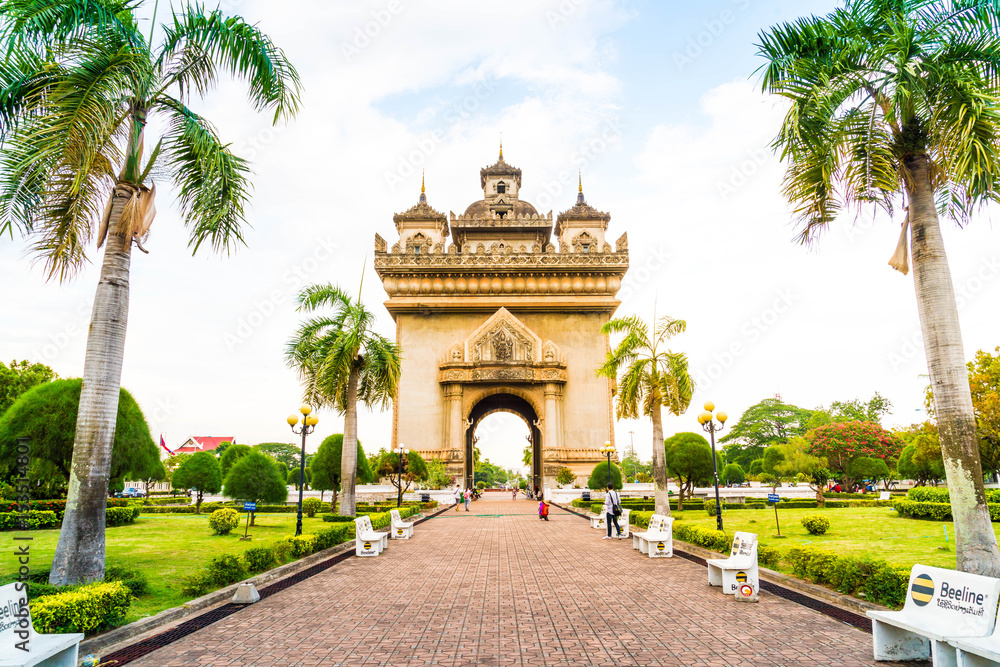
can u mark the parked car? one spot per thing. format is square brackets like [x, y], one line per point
[131, 492]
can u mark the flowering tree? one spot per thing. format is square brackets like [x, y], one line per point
[842, 443]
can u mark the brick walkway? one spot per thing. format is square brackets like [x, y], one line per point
[482, 589]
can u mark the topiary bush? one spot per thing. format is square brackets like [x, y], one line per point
[816, 524]
[711, 507]
[224, 521]
[260, 559]
[120, 516]
[30, 520]
[227, 569]
[310, 506]
[85, 609]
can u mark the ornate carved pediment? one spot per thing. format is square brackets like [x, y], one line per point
[504, 339]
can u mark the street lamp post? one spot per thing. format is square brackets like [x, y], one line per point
[400, 451]
[707, 422]
[308, 426]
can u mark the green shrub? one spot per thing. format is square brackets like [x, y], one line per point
[85, 609]
[30, 520]
[923, 510]
[120, 516]
[711, 507]
[334, 535]
[282, 549]
[227, 569]
[197, 584]
[337, 518]
[301, 545]
[310, 506]
[186, 509]
[224, 521]
[260, 559]
[927, 494]
[875, 580]
[816, 524]
[134, 579]
[768, 556]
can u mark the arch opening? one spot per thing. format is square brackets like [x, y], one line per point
[515, 405]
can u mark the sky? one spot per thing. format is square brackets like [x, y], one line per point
[657, 104]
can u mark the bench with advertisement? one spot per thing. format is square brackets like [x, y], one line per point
[943, 608]
[401, 530]
[366, 541]
[657, 541]
[596, 521]
[20, 645]
[739, 571]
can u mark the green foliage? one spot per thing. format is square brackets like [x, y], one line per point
[854, 410]
[387, 467]
[816, 524]
[260, 559]
[120, 516]
[599, 477]
[337, 518]
[200, 472]
[757, 466]
[30, 520]
[711, 507]
[232, 454]
[326, 465]
[301, 545]
[879, 582]
[437, 475]
[295, 475]
[868, 468]
[796, 460]
[310, 506]
[18, 378]
[767, 423]
[227, 569]
[287, 454]
[565, 476]
[843, 443]
[46, 415]
[256, 478]
[480, 485]
[85, 609]
[224, 521]
[733, 474]
[689, 459]
[134, 579]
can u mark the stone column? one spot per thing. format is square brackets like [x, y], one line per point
[552, 421]
[454, 426]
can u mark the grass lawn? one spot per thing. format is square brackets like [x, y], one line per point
[166, 548]
[877, 531]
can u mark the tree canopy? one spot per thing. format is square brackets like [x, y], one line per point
[599, 477]
[231, 456]
[872, 410]
[767, 423]
[46, 415]
[842, 443]
[18, 378]
[200, 472]
[258, 478]
[287, 453]
[689, 459]
[326, 466]
[414, 469]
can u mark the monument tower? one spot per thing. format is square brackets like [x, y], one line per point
[497, 310]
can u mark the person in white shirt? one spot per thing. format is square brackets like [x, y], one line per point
[612, 502]
[458, 499]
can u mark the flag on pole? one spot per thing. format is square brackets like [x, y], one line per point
[164, 445]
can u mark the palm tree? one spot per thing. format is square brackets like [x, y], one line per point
[652, 378]
[341, 361]
[78, 86]
[896, 101]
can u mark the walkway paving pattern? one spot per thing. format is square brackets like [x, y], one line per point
[497, 586]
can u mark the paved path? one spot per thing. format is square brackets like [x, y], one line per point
[483, 589]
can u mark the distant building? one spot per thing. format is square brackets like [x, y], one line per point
[198, 443]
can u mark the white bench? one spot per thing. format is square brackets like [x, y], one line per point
[942, 607]
[401, 530]
[657, 541]
[740, 568]
[978, 652]
[366, 541]
[21, 646]
[596, 521]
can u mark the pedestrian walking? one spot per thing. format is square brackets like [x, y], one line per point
[612, 509]
[458, 498]
[543, 510]
[513, 494]
[468, 498]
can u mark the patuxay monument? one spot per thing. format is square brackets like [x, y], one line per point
[497, 310]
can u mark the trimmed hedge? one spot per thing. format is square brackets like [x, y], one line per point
[336, 518]
[929, 494]
[259, 559]
[57, 505]
[935, 511]
[864, 577]
[120, 516]
[185, 509]
[86, 609]
[31, 520]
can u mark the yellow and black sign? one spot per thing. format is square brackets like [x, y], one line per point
[736, 545]
[660, 546]
[368, 545]
[741, 577]
[922, 590]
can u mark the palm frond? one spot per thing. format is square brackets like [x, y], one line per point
[42, 24]
[242, 49]
[213, 184]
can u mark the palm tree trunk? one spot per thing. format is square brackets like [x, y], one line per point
[79, 554]
[349, 451]
[659, 464]
[976, 545]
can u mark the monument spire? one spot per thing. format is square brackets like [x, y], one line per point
[579, 195]
[423, 190]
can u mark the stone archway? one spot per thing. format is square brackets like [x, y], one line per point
[504, 401]
[512, 304]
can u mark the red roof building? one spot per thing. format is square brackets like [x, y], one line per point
[198, 443]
